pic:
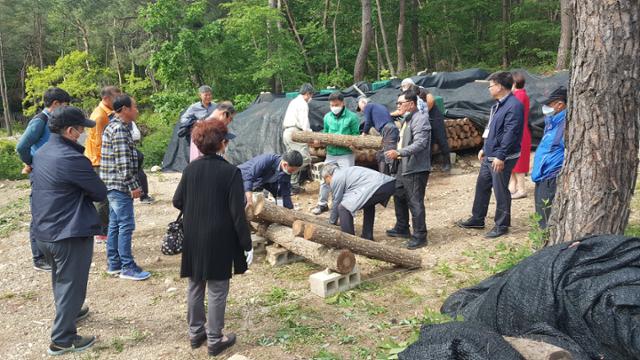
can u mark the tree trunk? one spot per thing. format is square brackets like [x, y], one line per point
[342, 261]
[564, 47]
[506, 20]
[336, 238]
[360, 68]
[599, 174]
[414, 37]
[3, 90]
[400, 38]
[335, 38]
[267, 211]
[378, 55]
[537, 350]
[325, 14]
[39, 38]
[362, 142]
[294, 30]
[115, 54]
[385, 44]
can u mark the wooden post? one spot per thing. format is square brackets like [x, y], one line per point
[357, 141]
[266, 211]
[537, 350]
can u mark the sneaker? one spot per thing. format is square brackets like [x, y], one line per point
[319, 209]
[81, 343]
[113, 271]
[100, 239]
[416, 243]
[147, 200]
[134, 274]
[42, 265]
[84, 312]
[470, 223]
[398, 234]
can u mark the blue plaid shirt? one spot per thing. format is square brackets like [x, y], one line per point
[119, 164]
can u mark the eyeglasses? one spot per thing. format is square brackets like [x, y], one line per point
[402, 102]
[490, 86]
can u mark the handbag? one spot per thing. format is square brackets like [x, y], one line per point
[172, 241]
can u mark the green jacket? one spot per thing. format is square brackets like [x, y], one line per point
[347, 124]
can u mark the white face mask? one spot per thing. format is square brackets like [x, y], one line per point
[548, 110]
[336, 109]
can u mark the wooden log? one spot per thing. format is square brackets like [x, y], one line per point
[336, 238]
[361, 142]
[342, 261]
[266, 211]
[537, 350]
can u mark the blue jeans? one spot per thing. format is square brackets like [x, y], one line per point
[121, 226]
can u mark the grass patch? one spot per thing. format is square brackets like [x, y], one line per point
[10, 163]
[324, 354]
[632, 230]
[443, 269]
[13, 215]
[7, 296]
[276, 296]
[296, 327]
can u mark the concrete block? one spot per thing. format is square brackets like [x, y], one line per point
[316, 169]
[278, 256]
[452, 157]
[259, 244]
[328, 283]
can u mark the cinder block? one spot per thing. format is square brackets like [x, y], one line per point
[328, 283]
[316, 169]
[259, 244]
[278, 256]
[452, 157]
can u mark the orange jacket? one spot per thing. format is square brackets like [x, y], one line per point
[93, 143]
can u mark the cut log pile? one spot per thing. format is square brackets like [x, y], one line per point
[461, 134]
[323, 244]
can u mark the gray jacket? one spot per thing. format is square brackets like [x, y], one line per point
[416, 144]
[353, 186]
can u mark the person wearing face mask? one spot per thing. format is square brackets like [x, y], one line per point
[549, 156]
[297, 118]
[119, 171]
[271, 172]
[65, 221]
[339, 120]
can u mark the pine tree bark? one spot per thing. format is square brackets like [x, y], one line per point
[385, 44]
[335, 37]
[566, 20]
[506, 20]
[266, 211]
[400, 38]
[599, 174]
[415, 46]
[360, 68]
[361, 142]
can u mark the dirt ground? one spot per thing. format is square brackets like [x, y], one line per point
[269, 308]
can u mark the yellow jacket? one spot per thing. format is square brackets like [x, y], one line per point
[93, 143]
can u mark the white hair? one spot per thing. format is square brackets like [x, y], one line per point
[407, 81]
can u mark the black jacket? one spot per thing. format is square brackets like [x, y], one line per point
[64, 187]
[216, 231]
[505, 129]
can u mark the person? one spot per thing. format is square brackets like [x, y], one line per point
[356, 188]
[224, 112]
[271, 172]
[93, 145]
[65, 221]
[498, 156]
[136, 135]
[409, 84]
[216, 235]
[201, 109]
[549, 156]
[339, 120]
[378, 117]
[34, 137]
[414, 156]
[517, 186]
[119, 171]
[438, 129]
[297, 118]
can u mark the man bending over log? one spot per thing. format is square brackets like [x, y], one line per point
[356, 188]
[271, 172]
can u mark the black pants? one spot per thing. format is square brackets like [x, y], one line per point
[488, 179]
[144, 183]
[390, 137]
[381, 196]
[409, 196]
[103, 210]
[439, 136]
[544, 194]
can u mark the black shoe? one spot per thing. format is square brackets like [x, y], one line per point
[416, 243]
[42, 265]
[84, 312]
[398, 234]
[81, 343]
[497, 232]
[470, 223]
[319, 209]
[221, 346]
[199, 340]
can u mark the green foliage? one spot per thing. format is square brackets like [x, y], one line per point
[242, 101]
[324, 354]
[338, 78]
[10, 164]
[632, 230]
[12, 216]
[137, 87]
[155, 144]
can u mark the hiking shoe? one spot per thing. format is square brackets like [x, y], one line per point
[81, 343]
[398, 234]
[319, 209]
[197, 341]
[496, 232]
[136, 274]
[84, 312]
[222, 345]
[416, 243]
[42, 265]
[470, 223]
[147, 200]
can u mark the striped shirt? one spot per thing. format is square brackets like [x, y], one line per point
[119, 163]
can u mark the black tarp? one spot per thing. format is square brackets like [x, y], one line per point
[583, 297]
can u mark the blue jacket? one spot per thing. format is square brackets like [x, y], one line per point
[550, 152]
[64, 187]
[264, 171]
[35, 135]
[505, 129]
[377, 116]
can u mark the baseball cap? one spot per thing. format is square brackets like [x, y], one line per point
[557, 94]
[65, 116]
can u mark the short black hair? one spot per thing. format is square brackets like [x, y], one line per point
[121, 101]
[503, 78]
[336, 95]
[109, 91]
[293, 158]
[422, 93]
[55, 94]
[306, 88]
[410, 95]
[226, 106]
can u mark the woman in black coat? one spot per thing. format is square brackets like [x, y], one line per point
[216, 234]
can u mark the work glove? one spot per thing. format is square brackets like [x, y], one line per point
[249, 256]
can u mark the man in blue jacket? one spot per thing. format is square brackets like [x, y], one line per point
[64, 187]
[34, 137]
[549, 157]
[271, 172]
[378, 117]
[498, 156]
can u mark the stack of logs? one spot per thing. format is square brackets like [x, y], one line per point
[461, 134]
[320, 243]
